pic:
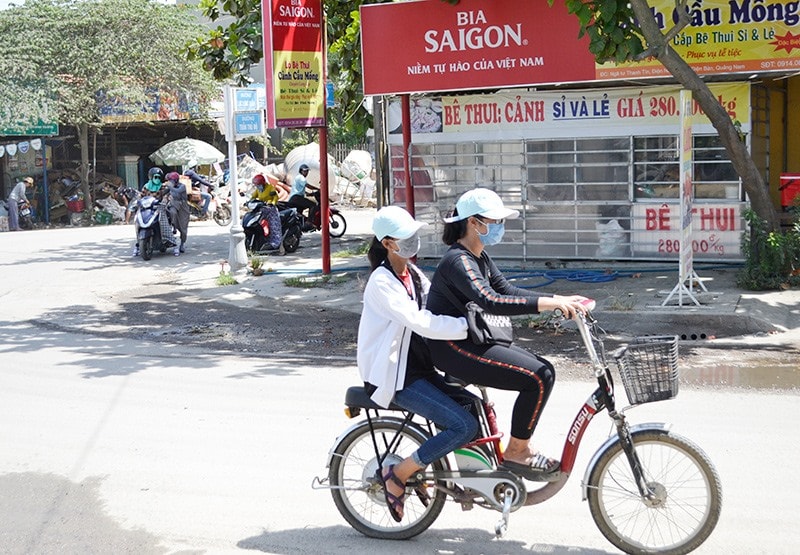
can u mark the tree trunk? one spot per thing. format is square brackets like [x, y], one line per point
[752, 180]
[83, 139]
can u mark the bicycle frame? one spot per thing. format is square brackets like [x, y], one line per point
[601, 399]
[673, 509]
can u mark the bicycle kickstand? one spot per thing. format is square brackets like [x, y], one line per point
[502, 526]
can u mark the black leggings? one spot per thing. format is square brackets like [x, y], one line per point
[510, 368]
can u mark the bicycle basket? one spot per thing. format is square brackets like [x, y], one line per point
[649, 368]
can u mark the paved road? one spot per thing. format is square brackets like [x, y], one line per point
[111, 443]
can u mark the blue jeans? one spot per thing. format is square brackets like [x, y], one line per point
[428, 398]
[206, 201]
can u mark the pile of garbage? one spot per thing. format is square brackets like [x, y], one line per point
[351, 181]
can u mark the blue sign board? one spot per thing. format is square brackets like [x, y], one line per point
[330, 102]
[249, 123]
[246, 100]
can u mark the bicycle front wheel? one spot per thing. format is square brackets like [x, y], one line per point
[358, 494]
[686, 495]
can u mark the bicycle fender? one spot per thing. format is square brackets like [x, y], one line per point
[647, 426]
[375, 421]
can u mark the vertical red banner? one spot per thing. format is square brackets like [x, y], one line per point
[293, 63]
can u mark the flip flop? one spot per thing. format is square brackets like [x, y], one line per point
[540, 469]
[393, 502]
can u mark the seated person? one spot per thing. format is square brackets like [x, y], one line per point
[265, 191]
[204, 185]
[298, 199]
[154, 182]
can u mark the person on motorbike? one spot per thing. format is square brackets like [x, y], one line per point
[467, 271]
[265, 191]
[155, 178]
[178, 208]
[298, 199]
[16, 196]
[205, 187]
[393, 358]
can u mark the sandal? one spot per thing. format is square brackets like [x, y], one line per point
[540, 468]
[393, 502]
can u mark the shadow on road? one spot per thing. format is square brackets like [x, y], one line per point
[455, 541]
[46, 513]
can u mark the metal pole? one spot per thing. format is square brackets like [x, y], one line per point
[237, 255]
[45, 188]
[324, 199]
[406, 104]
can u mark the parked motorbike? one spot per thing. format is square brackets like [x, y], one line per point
[25, 216]
[257, 229]
[149, 234]
[337, 225]
[219, 208]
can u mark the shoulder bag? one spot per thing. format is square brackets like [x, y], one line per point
[484, 328]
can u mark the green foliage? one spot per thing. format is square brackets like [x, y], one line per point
[772, 258]
[293, 139]
[256, 262]
[229, 52]
[226, 278]
[65, 52]
[310, 282]
[611, 27]
[360, 250]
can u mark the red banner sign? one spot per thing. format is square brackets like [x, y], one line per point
[293, 63]
[471, 45]
[433, 46]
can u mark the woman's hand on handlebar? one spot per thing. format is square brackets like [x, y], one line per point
[567, 306]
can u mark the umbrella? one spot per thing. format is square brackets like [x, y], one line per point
[187, 152]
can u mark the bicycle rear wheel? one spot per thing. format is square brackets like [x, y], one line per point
[359, 495]
[686, 501]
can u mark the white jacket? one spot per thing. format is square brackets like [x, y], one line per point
[384, 332]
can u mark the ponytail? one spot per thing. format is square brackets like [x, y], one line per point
[454, 231]
[377, 254]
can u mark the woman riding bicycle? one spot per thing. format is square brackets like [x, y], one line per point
[394, 360]
[467, 271]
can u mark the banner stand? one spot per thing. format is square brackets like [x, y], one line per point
[686, 271]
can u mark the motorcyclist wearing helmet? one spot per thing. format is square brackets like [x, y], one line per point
[155, 179]
[298, 199]
[152, 187]
[265, 191]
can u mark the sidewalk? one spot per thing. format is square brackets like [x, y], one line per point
[630, 296]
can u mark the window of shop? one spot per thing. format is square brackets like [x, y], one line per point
[583, 197]
[657, 170]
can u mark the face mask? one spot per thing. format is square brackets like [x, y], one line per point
[408, 247]
[156, 180]
[494, 234]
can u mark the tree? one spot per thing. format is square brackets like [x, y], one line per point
[230, 51]
[616, 30]
[68, 54]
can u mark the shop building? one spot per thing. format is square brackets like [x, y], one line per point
[592, 166]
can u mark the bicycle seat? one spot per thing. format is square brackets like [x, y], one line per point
[357, 396]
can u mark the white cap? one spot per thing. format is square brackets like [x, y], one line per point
[484, 202]
[395, 222]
